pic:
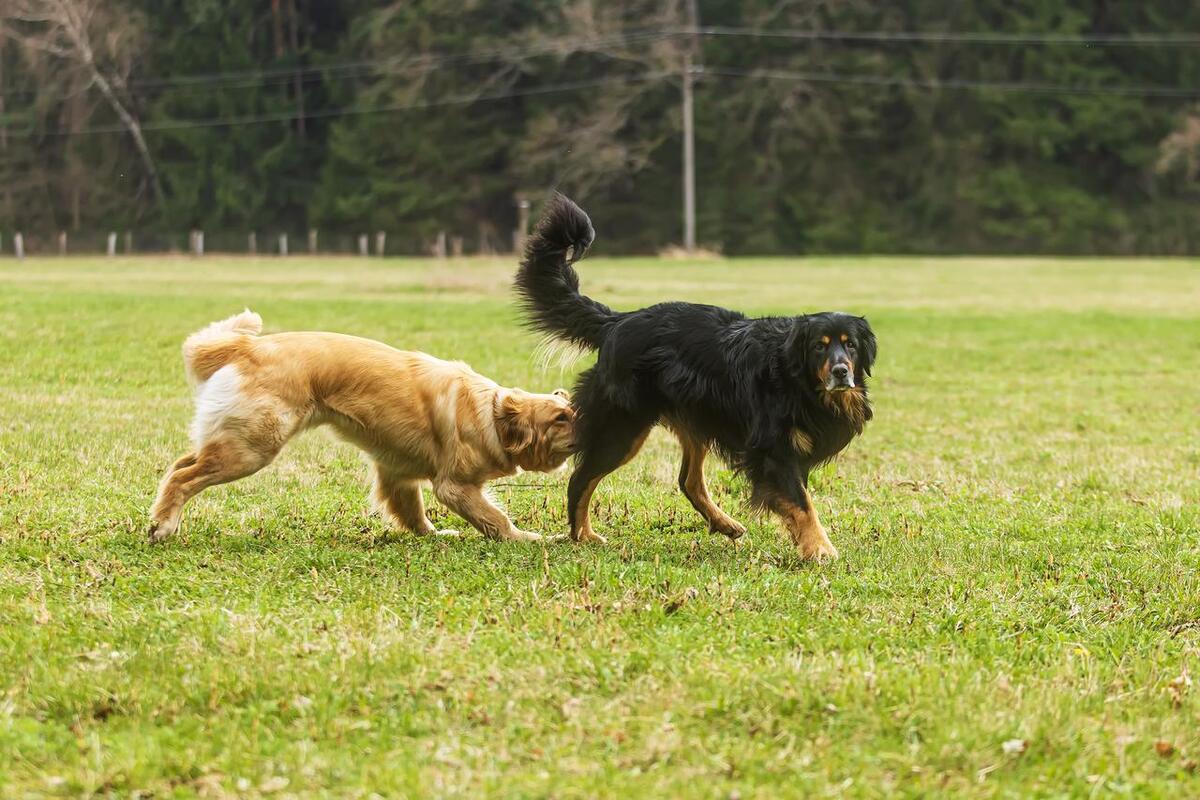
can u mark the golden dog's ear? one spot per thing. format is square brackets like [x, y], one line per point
[513, 425]
[563, 393]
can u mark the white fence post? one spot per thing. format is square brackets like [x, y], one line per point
[439, 249]
[312, 240]
[62, 243]
[362, 245]
[522, 225]
[19, 245]
[380, 242]
[252, 243]
[283, 251]
[197, 241]
[112, 244]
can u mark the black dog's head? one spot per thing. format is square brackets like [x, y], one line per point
[836, 350]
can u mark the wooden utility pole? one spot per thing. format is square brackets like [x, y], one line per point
[691, 51]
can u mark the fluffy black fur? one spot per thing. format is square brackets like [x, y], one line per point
[761, 392]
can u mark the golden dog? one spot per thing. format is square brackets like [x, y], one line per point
[417, 418]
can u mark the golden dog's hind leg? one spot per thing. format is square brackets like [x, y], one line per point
[694, 488]
[401, 501]
[470, 503]
[218, 461]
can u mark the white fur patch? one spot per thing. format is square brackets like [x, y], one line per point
[553, 352]
[216, 399]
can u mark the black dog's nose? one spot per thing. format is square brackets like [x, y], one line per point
[840, 371]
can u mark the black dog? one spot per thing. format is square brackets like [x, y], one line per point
[773, 396]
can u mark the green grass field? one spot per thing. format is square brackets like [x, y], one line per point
[1016, 611]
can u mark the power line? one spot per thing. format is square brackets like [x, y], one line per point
[259, 76]
[959, 37]
[288, 116]
[424, 61]
[238, 79]
[951, 83]
[771, 74]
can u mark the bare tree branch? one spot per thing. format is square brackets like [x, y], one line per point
[63, 28]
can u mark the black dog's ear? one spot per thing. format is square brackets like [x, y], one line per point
[867, 337]
[796, 336]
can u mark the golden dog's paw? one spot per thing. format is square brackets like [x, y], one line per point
[519, 535]
[158, 531]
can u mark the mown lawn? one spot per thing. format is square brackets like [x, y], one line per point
[1016, 611]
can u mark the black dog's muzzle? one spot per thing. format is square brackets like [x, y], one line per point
[840, 378]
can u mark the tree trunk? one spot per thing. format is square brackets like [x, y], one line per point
[298, 81]
[135, 130]
[75, 28]
[7, 209]
[277, 24]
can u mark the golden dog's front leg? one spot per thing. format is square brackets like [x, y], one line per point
[400, 500]
[470, 503]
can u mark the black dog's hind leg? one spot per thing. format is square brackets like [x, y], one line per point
[691, 483]
[607, 438]
[781, 485]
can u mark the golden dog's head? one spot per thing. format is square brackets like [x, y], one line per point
[537, 430]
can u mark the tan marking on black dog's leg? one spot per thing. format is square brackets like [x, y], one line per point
[581, 525]
[592, 469]
[694, 488]
[805, 528]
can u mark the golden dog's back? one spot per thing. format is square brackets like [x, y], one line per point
[396, 404]
[417, 417]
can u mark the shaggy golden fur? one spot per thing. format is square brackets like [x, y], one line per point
[417, 418]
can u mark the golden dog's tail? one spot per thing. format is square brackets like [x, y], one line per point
[209, 349]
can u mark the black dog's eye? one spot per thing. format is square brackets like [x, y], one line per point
[818, 346]
[850, 345]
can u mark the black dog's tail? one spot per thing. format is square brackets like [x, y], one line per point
[548, 285]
